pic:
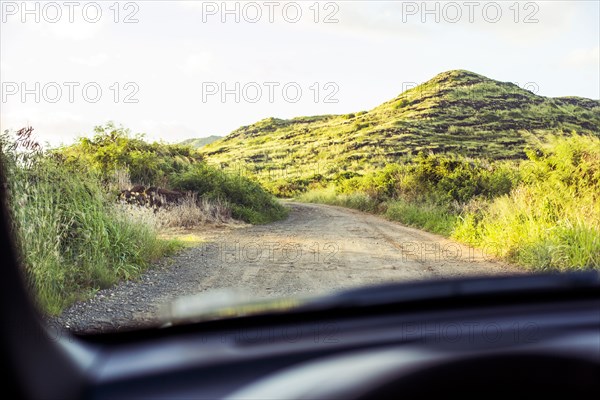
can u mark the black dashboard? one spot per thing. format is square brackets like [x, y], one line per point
[543, 341]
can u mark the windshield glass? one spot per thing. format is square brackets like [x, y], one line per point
[177, 161]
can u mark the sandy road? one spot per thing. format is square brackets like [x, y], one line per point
[322, 248]
[316, 250]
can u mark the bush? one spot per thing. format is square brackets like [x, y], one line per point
[437, 179]
[290, 187]
[248, 200]
[114, 148]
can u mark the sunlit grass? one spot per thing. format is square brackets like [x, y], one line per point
[359, 201]
[552, 219]
[429, 217]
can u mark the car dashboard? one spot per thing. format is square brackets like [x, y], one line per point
[542, 341]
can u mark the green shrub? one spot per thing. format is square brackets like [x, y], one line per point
[438, 179]
[114, 148]
[248, 200]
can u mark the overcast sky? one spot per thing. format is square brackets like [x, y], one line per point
[161, 67]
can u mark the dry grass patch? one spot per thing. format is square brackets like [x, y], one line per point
[193, 212]
[190, 222]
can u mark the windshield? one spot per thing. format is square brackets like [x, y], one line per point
[176, 161]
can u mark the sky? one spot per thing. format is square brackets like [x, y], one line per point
[177, 70]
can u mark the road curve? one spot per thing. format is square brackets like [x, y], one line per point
[317, 249]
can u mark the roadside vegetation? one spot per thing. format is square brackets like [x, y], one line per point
[75, 238]
[542, 212]
[121, 159]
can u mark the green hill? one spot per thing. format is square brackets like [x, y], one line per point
[200, 142]
[456, 112]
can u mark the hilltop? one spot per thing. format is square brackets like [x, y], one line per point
[200, 142]
[457, 112]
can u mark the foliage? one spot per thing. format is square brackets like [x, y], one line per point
[247, 199]
[114, 148]
[437, 179]
[358, 200]
[178, 166]
[551, 220]
[430, 217]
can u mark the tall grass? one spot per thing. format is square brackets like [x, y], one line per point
[73, 239]
[430, 217]
[552, 219]
[357, 200]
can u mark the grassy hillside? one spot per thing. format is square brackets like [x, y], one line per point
[200, 142]
[457, 112]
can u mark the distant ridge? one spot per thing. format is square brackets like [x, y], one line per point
[200, 142]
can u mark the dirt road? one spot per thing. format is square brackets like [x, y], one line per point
[317, 249]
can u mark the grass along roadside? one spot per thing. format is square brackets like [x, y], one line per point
[544, 216]
[425, 216]
[75, 239]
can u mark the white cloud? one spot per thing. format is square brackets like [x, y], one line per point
[525, 23]
[78, 31]
[170, 131]
[95, 60]
[197, 63]
[54, 127]
[583, 58]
